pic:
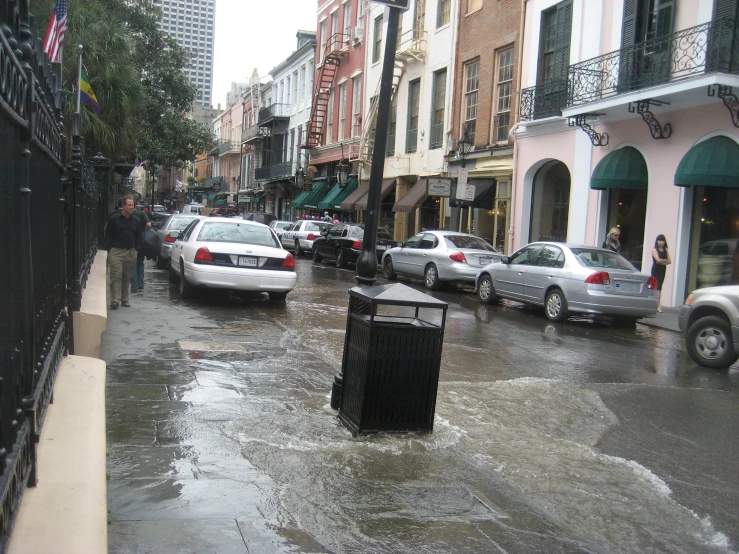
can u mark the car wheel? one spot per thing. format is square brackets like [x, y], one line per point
[388, 270]
[431, 276]
[298, 250]
[710, 343]
[555, 306]
[161, 263]
[173, 277]
[277, 296]
[341, 259]
[485, 290]
[316, 255]
[186, 289]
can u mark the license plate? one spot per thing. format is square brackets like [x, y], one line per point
[248, 261]
[381, 247]
[627, 287]
[484, 260]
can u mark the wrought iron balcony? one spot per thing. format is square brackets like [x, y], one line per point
[545, 100]
[230, 147]
[275, 112]
[276, 171]
[412, 45]
[704, 49]
[254, 132]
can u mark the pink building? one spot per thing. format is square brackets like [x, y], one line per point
[627, 120]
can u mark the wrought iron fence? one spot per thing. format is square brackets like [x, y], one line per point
[707, 48]
[52, 233]
[544, 100]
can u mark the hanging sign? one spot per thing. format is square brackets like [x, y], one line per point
[439, 187]
[307, 185]
[394, 3]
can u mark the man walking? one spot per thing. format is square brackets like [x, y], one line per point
[123, 237]
[137, 280]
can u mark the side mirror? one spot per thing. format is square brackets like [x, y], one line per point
[505, 260]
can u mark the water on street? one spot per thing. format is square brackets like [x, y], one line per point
[566, 437]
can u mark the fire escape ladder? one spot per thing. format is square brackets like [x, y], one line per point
[367, 140]
[319, 109]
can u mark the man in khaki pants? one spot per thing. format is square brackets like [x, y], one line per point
[123, 237]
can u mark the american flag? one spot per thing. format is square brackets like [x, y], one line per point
[55, 31]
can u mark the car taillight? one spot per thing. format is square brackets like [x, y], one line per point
[311, 236]
[169, 238]
[652, 283]
[289, 262]
[202, 256]
[600, 278]
[458, 257]
[357, 244]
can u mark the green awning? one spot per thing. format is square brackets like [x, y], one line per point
[337, 195]
[623, 168]
[298, 201]
[713, 162]
[315, 196]
[212, 196]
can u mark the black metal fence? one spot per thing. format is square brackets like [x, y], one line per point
[50, 227]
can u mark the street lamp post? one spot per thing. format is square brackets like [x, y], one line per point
[464, 146]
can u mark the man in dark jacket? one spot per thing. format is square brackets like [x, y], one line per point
[123, 238]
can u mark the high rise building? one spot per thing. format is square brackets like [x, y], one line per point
[190, 23]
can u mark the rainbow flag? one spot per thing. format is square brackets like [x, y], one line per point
[87, 97]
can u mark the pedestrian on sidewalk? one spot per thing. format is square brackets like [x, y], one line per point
[123, 238]
[660, 260]
[612, 243]
[137, 280]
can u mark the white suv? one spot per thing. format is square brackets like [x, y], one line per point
[710, 322]
[192, 209]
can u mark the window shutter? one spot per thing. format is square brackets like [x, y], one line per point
[724, 8]
[665, 17]
[564, 37]
[628, 31]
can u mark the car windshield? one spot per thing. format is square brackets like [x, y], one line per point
[356, 232]
[467, 241]
[282, 224]
[236, 232]
[601, 259]
[179, 223]
[315, 226]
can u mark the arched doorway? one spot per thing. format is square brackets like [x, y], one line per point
[550, 202]
[622, 176]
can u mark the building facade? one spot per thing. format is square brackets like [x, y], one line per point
[191, 23]
[420, 114]
[627, 120]
[485, 90]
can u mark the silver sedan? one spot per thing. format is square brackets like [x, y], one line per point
[569, 278]
[176, 222]
[438, 257]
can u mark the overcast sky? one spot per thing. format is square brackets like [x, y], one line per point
[255, 33]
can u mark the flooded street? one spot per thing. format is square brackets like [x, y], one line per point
[549, 437]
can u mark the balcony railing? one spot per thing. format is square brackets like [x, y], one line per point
[703, 49]
[276, 171]
[253, 133]
[545, 100]
[275, 111]
[230, 147]
[412, 44]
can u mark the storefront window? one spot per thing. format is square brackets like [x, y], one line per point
[550, 203]
[714, 255]
[627, 210]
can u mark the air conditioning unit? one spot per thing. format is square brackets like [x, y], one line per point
[357, 34]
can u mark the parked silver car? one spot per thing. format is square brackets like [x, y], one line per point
[569, 278]
[438, 257]
[176, 222]
[300, 235]
[710, 322]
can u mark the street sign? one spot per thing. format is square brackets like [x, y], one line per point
[439, 187]
[395, 3]
[307, 185]
[462, 175]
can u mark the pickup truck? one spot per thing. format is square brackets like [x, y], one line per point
[709, 319]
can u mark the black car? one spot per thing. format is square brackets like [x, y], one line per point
[343, 244]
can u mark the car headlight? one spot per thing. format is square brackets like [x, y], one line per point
[689, 299]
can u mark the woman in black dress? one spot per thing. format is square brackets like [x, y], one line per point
[660, 260]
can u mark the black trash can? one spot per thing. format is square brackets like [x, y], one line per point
[392, 356]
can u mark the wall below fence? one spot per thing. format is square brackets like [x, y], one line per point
[92, 319]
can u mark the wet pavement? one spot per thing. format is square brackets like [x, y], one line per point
[549, 437]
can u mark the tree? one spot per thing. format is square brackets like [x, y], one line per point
[136, 73]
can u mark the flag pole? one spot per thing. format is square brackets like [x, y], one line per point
[79, 80]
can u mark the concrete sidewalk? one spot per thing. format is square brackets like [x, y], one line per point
[667, 319]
